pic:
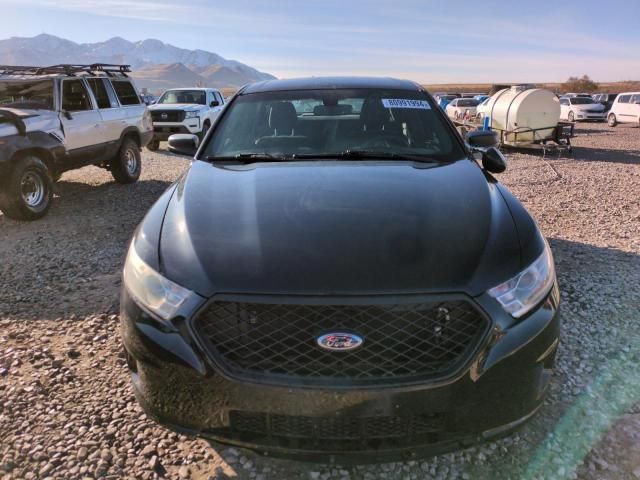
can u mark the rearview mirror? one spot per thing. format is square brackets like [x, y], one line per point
[481, 138]
[183, 144]
[493, 160]
[214, 103]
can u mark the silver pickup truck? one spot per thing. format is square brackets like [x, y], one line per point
[59, 118]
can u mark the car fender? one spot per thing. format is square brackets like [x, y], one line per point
[47, 146]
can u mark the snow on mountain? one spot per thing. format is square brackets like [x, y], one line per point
[156, 64]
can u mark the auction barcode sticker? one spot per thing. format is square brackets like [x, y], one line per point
[405, 103]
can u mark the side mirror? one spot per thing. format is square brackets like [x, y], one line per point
[493, 160]
[481, 138]
[214, 103]
[183, 144]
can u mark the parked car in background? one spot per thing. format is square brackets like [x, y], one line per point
[461, 107]
[572, 95]
[483, 108]
[443, 100]
[625, 109]
[335, 278]
[580, 108]
[184, 110]
[605, 99]
[54, 119]
[481, 98]
[148, 99]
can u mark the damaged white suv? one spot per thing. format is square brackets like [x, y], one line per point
[54, 119]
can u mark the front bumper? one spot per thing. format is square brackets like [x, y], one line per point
[502, 387]
[163, 130]
[590, 116]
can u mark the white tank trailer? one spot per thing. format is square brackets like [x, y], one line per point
[521, 115]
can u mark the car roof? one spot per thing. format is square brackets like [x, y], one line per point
[188, 88]
[330, 83]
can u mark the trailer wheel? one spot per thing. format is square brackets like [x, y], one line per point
[611, 120]
[27, 191]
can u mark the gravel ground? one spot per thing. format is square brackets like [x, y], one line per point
[67, 410]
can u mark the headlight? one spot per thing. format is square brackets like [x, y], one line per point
[156, 293]
[193, 114]
[524, 291]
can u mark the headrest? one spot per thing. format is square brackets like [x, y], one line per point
[373, 114]
[283, 118]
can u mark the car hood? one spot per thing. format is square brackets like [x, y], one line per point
[176, 106]
[341, 228]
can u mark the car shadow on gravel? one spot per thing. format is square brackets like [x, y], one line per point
[591, 154]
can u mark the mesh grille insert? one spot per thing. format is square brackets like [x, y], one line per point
[327, 428]
[401, 342]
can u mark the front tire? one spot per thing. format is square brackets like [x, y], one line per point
[153, 145]
[571, 117]
[205, 129]
[28, 190]
[127, 165]
[611, 120]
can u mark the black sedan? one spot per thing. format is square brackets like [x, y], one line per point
[337, 276]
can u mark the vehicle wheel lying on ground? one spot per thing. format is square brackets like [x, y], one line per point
[572, 117]
[64, 116]
[127, 165]
[612, 120]
[336, 278]
[27, 191]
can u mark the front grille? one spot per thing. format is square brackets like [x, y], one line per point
[291, 427]
[402, 342]
[594, 111]
[171, 115]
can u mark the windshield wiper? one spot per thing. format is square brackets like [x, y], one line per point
[366, 155]
[249, 157]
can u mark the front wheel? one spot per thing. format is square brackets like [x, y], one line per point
[611, 120]
[205, 129]
[572, 117]
[127, 165]
[27, 191]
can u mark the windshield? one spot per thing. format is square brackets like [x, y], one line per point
[331, 122]
[184, 96]
[467, 102]
[32, 94]
[581, 101]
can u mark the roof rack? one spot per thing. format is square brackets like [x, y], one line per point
[67, 69]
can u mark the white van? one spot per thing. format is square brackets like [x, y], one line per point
[625, 109]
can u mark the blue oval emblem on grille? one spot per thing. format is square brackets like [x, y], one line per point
[340, 341]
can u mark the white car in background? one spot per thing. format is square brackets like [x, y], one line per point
[581, 108]
[482, 110]
[184, 110]
[625, 109]
[458, 108]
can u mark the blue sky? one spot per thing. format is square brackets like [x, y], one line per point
[430, 41]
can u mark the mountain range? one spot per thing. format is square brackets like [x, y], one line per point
[156, 65]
